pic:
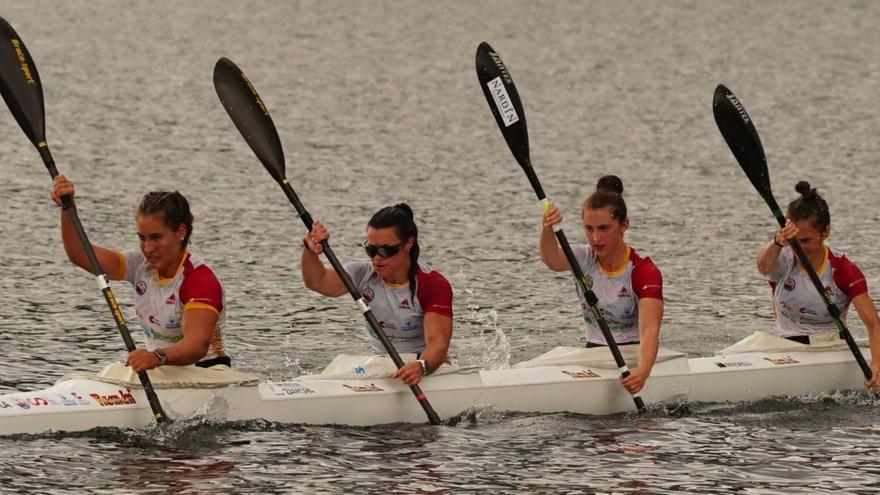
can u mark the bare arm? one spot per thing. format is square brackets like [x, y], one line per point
[438, 334]
[315, 275]
[550, 251]
[650, 316]
[107, 258]
[768, 257]
[868, 313]
[198, 330]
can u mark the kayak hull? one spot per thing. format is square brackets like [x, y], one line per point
[80, 404]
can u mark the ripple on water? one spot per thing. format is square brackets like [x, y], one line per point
[376, 104]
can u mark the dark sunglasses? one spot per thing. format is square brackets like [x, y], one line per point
[384, 251]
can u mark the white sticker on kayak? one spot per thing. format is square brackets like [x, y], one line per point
[502, 102]
[289, 388]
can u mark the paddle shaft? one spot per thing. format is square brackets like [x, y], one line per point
[365, 308]
[104, 283]
[829, 306]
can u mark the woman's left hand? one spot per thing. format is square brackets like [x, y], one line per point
[636, 379]
[410, 373]
[142, 360]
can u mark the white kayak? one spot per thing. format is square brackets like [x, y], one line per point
[358, 390]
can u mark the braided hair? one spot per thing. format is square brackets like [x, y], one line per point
[400, 217]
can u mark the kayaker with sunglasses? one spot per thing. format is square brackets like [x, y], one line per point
[411, 301]
[179, 302]
[628, 286]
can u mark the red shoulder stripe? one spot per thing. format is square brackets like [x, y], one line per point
[434, 293]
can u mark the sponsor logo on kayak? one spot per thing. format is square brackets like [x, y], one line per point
[782, 361]
[502, 102]
[29, 402]
[72, 399]
[733, 364]
[122, 398]
[25, 68]
[4, 404]
[140, 288]
[362, 388]
[581, 374]
[739, 108]
[290, 388]
[789, 284]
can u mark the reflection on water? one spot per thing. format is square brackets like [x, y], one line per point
[377, 103]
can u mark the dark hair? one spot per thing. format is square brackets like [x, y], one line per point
[400, 217]
[810, 206]
[173, 207]
[609, 192]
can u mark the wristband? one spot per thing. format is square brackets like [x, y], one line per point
[426, 368]
[160, 353]
[774, 242]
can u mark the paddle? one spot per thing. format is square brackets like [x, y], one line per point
[741, 136]
[503, 99]
[21, 88]
[251, 117]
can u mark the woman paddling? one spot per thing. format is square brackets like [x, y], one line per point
[629, 287]
[801, 314]
[178, 300]
[412, 302]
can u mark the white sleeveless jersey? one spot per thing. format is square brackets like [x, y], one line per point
[400, 315]
[799, 307]
[160, 303]
[618, 293]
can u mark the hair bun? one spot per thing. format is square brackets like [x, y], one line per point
[803, 187]
[611, 183]
[405, 207]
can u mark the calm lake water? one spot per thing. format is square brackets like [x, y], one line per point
[377, 102]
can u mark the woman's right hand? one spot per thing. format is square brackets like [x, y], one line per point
[551, 217]
[790, 231]
[61, 187]
[313, 239]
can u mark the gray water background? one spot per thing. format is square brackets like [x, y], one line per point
[377, 102]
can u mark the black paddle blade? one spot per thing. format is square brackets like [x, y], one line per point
[20, 85]
[503, 99]
[741, 136]
[250, 115]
